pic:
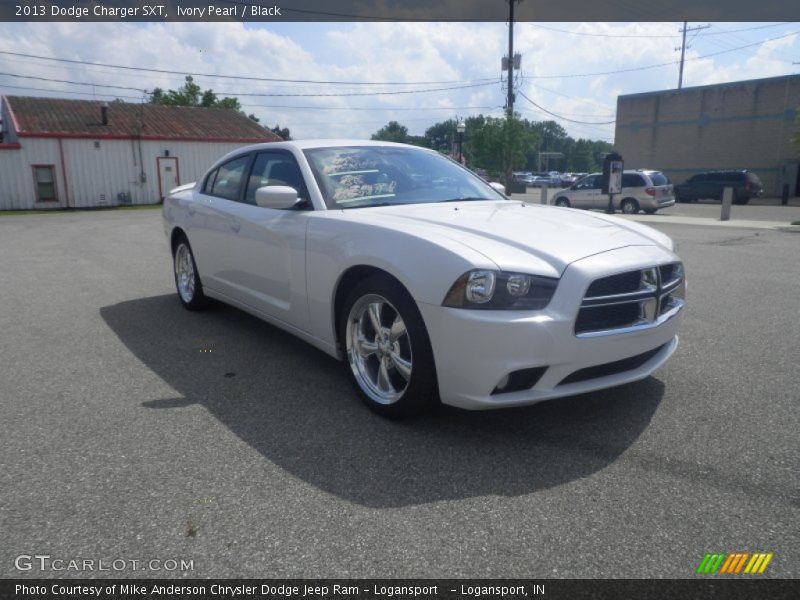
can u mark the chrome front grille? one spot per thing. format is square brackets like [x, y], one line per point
[631, 300]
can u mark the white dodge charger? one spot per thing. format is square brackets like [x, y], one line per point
[426, 280]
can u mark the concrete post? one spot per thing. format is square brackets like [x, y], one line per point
[727, 201]
[544, 199]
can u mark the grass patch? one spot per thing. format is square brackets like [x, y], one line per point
[61, 211]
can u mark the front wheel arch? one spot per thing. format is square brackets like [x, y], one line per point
[347, 281]
[177, 235]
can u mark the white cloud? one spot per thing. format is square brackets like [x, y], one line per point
[388, 52]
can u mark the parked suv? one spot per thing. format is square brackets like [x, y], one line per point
[711, 184]
[645, 190]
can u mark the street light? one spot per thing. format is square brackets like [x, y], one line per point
[461, 128]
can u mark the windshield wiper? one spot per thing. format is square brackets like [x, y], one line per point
[372, 205]
[465, 199]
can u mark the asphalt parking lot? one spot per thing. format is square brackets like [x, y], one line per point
[134, 429]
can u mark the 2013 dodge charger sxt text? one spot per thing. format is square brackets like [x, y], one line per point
[426, 280]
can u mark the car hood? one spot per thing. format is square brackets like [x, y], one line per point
[514, 235]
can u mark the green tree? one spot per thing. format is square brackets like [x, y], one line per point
[500, 145]
[581, 159]
[392, 132]
[282, 133]
[191, 94]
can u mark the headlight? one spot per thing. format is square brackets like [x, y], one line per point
[495, 290]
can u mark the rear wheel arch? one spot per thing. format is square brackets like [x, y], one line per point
[633, 203]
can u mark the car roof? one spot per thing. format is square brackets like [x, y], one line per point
[329, 143]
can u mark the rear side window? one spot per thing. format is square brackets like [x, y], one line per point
[630, 180]
[659, 178]
[698, 178]
[228, 181]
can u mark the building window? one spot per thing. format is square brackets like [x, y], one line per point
[45, 181]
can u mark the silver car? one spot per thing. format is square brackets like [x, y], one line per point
[644, 189]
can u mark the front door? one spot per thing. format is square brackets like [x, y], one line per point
[267, 247]
[585, 194]
[168, 177]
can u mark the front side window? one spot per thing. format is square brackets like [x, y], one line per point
[229, 178]
[275, 168]
[362, 176]
[45, 182]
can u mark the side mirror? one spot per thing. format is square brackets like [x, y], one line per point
[277, 196]
[498, 186]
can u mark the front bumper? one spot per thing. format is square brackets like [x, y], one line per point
[475, 349]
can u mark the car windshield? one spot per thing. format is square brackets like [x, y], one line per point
[363, 176]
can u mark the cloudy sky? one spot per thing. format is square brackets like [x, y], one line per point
[561, 66]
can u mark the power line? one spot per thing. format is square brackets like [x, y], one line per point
[584, 100]
[652, 35]
[351, 94]
[604, 35]
[102, 85]
[241, 77]
[664, 64]
[263, 94]
[565, 118]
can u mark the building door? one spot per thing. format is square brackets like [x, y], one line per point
[168, 175]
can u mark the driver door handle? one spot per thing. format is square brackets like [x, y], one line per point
[236, 227]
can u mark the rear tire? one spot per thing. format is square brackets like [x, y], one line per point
[629, 206]
[388, 355]
[187, 279]
[562, 202]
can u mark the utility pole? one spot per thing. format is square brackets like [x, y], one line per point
[683, 49]
[510, 97]
[510, 63]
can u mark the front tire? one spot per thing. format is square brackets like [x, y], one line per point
[388, 355]
[629, 206]
[562, 202]
[187, 279]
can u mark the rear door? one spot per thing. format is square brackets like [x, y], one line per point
[208, 220]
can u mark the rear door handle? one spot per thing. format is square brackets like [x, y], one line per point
[236, 227]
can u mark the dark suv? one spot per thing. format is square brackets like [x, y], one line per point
[745, 184]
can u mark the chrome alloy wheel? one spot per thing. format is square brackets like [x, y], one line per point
[184, 272]
[379, 349]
